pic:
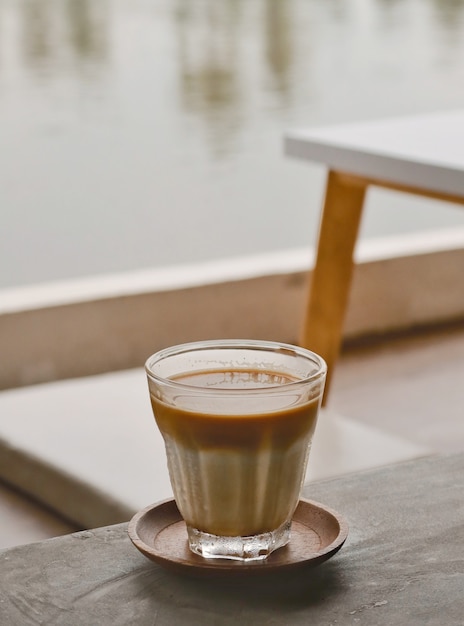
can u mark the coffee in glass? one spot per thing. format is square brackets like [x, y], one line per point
[237, 418]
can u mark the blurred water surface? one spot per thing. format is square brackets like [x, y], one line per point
[137, 133]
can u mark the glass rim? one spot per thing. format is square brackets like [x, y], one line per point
[247, 344]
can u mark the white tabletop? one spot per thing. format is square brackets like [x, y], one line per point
[424, 151]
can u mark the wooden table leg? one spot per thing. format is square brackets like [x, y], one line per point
[331, 278]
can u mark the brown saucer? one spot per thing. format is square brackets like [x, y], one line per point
[159, 532]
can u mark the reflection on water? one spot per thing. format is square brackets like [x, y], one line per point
[278, 20]
[212, 52]
[167, 117]
[449, 12]
[208, 39]
[57, 33]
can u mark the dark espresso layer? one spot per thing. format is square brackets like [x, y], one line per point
[278, 427]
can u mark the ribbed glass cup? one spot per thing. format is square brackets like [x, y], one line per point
[237, 418]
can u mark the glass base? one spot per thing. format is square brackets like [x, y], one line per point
[251, 548]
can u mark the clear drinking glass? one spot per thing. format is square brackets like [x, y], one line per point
[237, 418]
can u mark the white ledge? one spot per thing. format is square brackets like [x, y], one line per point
[216, 271]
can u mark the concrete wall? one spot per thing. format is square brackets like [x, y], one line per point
[78, 328]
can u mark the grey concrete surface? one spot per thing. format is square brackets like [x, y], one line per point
[402, 564]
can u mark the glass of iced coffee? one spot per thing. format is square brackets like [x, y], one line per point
[237, 418]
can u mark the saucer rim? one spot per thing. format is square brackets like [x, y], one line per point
[198, 565]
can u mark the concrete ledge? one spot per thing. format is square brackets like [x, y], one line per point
[79, 328]
[89, 448]
[402, 564]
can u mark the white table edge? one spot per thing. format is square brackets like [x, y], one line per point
[383, 167]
